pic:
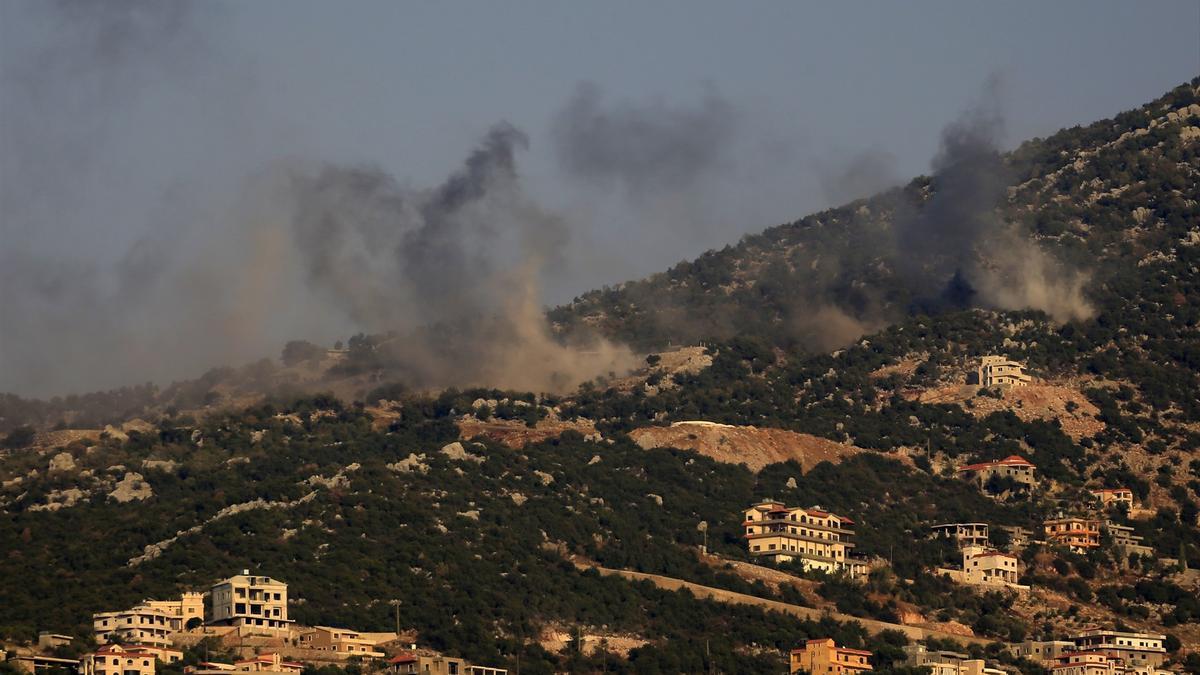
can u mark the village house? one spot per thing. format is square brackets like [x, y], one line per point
[118, 660]
[989, 567]
[1018, 537]
[1015, 467]
[999, 371]
[1113, 496]
[342, 641]
[1043, 652]
[150, 622]
[47, 640]
[1100, 663]
[966, 534]
[411, 663]
[1125, 541]
[255, 604]
[946, 662]
[986, 567]
[1077, 534]
[1136, 649]
[820, 540]
[36, 663]
[824, 656]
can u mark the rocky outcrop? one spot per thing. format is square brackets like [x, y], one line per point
[753, 446]
[133, 487]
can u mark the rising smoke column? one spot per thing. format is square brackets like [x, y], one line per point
[956, 251]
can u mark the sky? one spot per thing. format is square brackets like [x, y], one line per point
[131, 132]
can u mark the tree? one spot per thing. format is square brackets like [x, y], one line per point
[20, 437]
[296, 352]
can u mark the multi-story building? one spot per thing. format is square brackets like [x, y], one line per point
[151, 622]
[1044, 652]
[118, 660]
[38, 663]
[1100, 663]
[824, 656]
[1077, 534]
[987, 567]
[999, 371]
[411, 663]
[1136, 649]
[946, 662]
[966, 534]
[1113, 496]
[341, 641]
[820, 540]
[1018, 537]
[255, 604]
[1125, 541]
[1015, 467]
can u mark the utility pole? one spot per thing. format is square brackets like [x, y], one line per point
[396, 603]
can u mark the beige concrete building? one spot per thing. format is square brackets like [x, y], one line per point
[268, 663]
[118, 660]
[999, 371]
[1113, 496]
[1100, 663]
[151, 622]
[1043, 652]
[48, 640]
[820, 540]
[341, 641]
[1125, 541]
[36, 663]
[255, 604]
[946, 662]
[1015, 467]
[988, 567]
[1018, 537]
[1135, 649]
[824, 656]
[966, 534]
[411, 663]
[1077, 534]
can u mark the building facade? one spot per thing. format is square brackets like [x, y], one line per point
[1077, 534]
[946, 662]
[410, 663]
[1125, 541]
[118, 660]
[824, 656]
[150, 622]
[1135, 649]
[966, 534]
[1015, 467]
[255, 604]
[1000, 371]
[1043, 652]
[820, 540]
[1113, 496]
[341, 641]
[985, 567]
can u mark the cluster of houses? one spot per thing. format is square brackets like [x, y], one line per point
[247, 612]
[1090, 652]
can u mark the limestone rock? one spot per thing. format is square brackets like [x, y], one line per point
[63, 461]
[132, 487]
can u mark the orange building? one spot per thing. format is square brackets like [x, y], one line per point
[1077, 534]
[824, 656]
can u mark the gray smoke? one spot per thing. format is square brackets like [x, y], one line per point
[957, 251]
[643, 149]
[866, 173]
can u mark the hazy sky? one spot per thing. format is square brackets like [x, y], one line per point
[656, 130]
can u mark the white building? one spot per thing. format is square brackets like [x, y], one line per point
[151, 622]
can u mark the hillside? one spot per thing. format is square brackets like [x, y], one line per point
[840, 371]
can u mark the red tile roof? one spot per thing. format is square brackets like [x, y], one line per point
[1011, 460]
[403, 658]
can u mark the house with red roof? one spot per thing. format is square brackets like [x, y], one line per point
[824, 656]
[1015, 467]
[817, 538]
